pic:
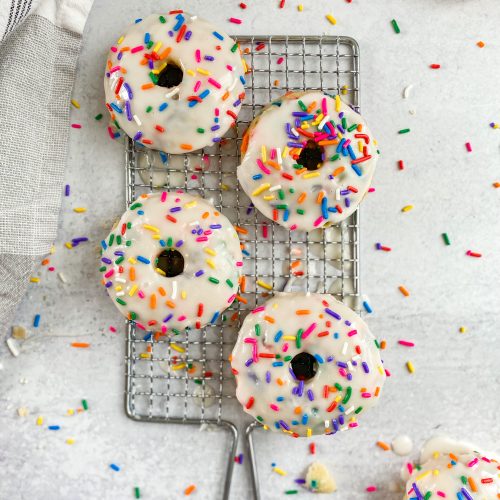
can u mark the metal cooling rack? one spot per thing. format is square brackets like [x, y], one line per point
[187, 379]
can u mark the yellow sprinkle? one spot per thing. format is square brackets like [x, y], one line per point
[70, 441]
[52, 249]
[318, 119]
[145, 355]
[224, 187]
[191, 204]
[156, 237]
[34, 279]
[75, 103]
[279, 471]
[132, 260]
[211, 263]
[120, 40]
[177, 348]
[360, 146]
[158, 70]
[269, 197]
[180, 366]
[261, 189]
[118, 288]
[424, 474]
[289, 337]
[410, 367]
[79, 210]
[39, 421]
[305, 125]
[160, 271]
[338, 103]
[190, 72]
[310, 175]
[210, 251]
[183, 294]
[435, 455]
[70, 411]
[68, 245]
[263, 153]
[264, 285]
[286, 149]
[309, 432]
[245, 66]
[380, 370]
[436, 472]
[344, 89]
[202, 71]
[300, 7]
[149, 227]
[331, 19]
[462, 329]
[157, 46]
[133, 290]
[407, 208]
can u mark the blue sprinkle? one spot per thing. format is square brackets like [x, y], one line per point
[218, 35]
[357, 170]
[204, 94]
[163, 157]
[147, 38]
[147, 336]
[245, 252]
[114, 467]
[214, 317]
[162, 106]
[286, 214]
[278, 336]
[179, 23]
[305, 418]
[242, 80]
[367, 307]
[54, 427]
[324, 207]
[333, 209]
[278, 363]
[319, 359]
[162, 243]
[351, 152]
[256, 177]
[142, 259]
[140, 212]
[116, 108]
[280, 398]
[36, 322]
[138, 20]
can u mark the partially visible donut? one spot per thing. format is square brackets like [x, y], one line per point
[172, 262]
[306, 364]
[174, 82]
[308, 160]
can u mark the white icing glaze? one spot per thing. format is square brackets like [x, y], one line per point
[402, 445]
[267, 178]
[444, 463]
[344, 349]
[221, 77]
[210, 248]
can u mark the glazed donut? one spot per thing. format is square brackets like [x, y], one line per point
[444, 466]
[174, 82]
[172, 262]
[308, 160]
[306, 364]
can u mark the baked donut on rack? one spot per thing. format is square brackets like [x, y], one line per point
[306, 364]
[174, 82]
[308, 160]
[172, 262]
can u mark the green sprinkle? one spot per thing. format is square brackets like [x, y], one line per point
[111, 239]
[292, 190]
[259, 418]
[344, 123]
[377, 344]
[347, 396]
[120, 259]
[338, 387]
[117, 125]
[291, 492]
[257, 330]
[169, 241]
[314, 484]
[200, 130]
[282, 206]
[234, 47]
[129, 243]
[303, 107]
[335, 157]
[395, 26]
[298, 338]
[354, 126]
[98, 117]
[301, 211]
[198, 381]
[358, 410]
[102, 269]
[85, 404]
[229, 283]
[133, 315]
[286, 358]
[176, 332]
[134, 206]
[281, 194]
[137, 491]
[446, 239]
[150, 44]
[427, 495]
[297, 166]
[120, 301]
[149, 109]
[154, 78]
[119, 239]
[278, 356]
[404, 131]
[163, 21]
[213, 280]
[463, 479]
[129, 224]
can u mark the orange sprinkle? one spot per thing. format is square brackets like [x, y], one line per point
[496, 184]
[165, 53]
[383, 344]
[300, 171]
[123, 70]
[472, 484]
[239, 298]
[480, 44]
[81, 345]
[144, 62]
[302, 312]
[225, 96]
[453, 457]
[404, 291]
[147, 86]
[170, 304]
[269, 319]
[162, 291]
[377, 391]
[273, 164]
[301, 198]
[311, 106]
[338, 171]
[280, 381]
[240, 230]
[149, 348]
[152, 301]
[187, 147]
[383, 445]
[295, 264]
[109, 64]
[189, 490]
[297, 410]
[125, 49]
[131, 274]
[360, 127]
[328, 143]
[320, 196]
[243, 282]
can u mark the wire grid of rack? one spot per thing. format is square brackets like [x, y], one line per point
[196, 386]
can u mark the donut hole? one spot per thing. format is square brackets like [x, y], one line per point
[171, 262]
[312, 155]
[170, 76]
[304, 366]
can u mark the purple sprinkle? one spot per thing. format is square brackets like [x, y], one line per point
[215, 226]
[349, 376]
[126, 86]
[179, 243]
[199, 232]
[299, 113]
[268, 376]
[310, 394]
[106, 260]
[417, 491]
[209, 58]
[236, 103]
[300, 481]
[347, 202]
[199, 273]
[118, 252]
[284, 425]
[295, 391]
[341, 115]
[120, 55]
[342, 364]
[137, 136]
[66, 190]
[347, 322]
[335, 424]
[467, 494]
[333, 313]
[216, 139]
[344, 192]
[193, 231]
[151, 64]
[297, 122]
[300, 389]
[248, 362]
[175, 209]
[188, 34]
[291, 373]
[214, 128]
[329, 359]
[341, 419]
[168, 318]
[108, 284]
[170, 33]
[294, 144]
[341, 129]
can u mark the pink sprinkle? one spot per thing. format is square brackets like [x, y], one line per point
[114, 49]
[262, 167]
[215, 83]
[114, 68]
[198, 55]
[318, 221]
[109, 273]
[470, 253]
[217, 111]
[264, 230]
[229, 67]
[249, 340]
[163, 196]
[370, 489]
[441, 494]
[231, 298]
[274, 407]
[110, 132]
[258, 309]
[352, 333]
[112, 329]
[197, 86]
[323, 107]
[473, 462]
[76, 125]
[234, 20]
[387, 372]
[353, 424]
[468, 147]
[371, 190]
[141, 294]
[285, 347]
[366, 395]
[52, 268]
[137, 49]
[163, 329]
[487, 460]
[293, 227]
[406, 343]
[409, 466]
[181, 318]
[280, 60]
[201, 238]
[140, 325]
[342, 372]
[309, 331]
[239, 264]
[273, 154]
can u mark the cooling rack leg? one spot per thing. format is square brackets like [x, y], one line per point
[253, 462]
[230, 461]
